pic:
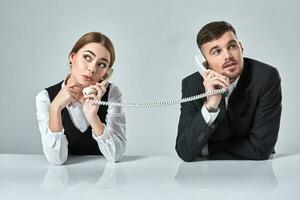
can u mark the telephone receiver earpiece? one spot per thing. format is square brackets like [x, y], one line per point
[89, 90]
[201, 63]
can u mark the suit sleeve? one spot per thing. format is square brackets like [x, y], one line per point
[193, 131]
[263, 134]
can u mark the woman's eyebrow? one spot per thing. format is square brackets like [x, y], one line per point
[104, 59]
[90, 52]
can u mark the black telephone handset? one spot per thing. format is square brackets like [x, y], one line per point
[89, 90]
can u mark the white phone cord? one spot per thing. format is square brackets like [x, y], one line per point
[165, 103]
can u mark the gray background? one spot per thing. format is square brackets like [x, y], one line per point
[155, 48]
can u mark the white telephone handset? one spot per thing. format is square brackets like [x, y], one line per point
[89, 90]
[201, 63]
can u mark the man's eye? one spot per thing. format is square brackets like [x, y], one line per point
[232, 46]
[87, 57]
[102, 65]
[216, 52]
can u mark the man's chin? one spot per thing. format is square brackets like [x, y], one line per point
[232, 75]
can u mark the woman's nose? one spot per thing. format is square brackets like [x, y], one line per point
[92, 68]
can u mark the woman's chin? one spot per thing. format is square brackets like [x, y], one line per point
[87, 83]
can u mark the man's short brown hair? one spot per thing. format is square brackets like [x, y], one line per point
[213, 31]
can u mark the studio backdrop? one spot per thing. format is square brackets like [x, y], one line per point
[155, 44]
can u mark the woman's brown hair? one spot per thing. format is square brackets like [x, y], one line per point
[97, 38]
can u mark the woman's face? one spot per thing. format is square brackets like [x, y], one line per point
[89, 64]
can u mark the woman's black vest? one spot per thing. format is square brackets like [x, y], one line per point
[79, 143]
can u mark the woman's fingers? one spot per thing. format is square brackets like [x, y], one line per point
[101, 89]
[90, 96]
[72, 101]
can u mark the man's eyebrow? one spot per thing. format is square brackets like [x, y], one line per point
[232, 41]
[90, 52]
[216, 47]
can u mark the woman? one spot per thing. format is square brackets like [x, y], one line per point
[70, 123]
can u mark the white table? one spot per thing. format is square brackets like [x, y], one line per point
[148, 177]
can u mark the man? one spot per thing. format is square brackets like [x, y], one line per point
[243, 122]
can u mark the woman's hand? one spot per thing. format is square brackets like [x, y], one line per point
[69, 94]
[90, 108]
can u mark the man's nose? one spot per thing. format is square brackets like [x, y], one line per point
[227, 55]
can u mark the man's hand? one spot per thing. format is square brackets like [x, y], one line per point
[212, 81]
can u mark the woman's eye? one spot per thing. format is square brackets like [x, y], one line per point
[102, 65]
[87, 57]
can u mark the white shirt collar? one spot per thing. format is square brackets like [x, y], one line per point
[231, 87]
[76, 113]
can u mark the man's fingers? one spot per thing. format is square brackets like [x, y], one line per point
[216, 84]
[221, 79]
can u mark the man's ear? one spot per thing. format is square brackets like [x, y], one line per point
[205, 62]
[241, 46]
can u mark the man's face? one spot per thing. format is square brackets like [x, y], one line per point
[225, 55]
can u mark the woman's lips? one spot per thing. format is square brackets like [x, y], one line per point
[87, 78]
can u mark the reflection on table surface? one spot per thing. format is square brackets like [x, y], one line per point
[149, 177]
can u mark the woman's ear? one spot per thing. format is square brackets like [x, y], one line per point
[71, 58]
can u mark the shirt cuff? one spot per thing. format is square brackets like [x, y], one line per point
[205, 151]
[104, 138]
[209, 117]
[54, 136]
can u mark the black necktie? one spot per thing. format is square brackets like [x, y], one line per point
[222, 129]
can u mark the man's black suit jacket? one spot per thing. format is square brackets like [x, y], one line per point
[248, 129]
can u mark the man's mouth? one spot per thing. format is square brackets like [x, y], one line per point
[230, 64]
